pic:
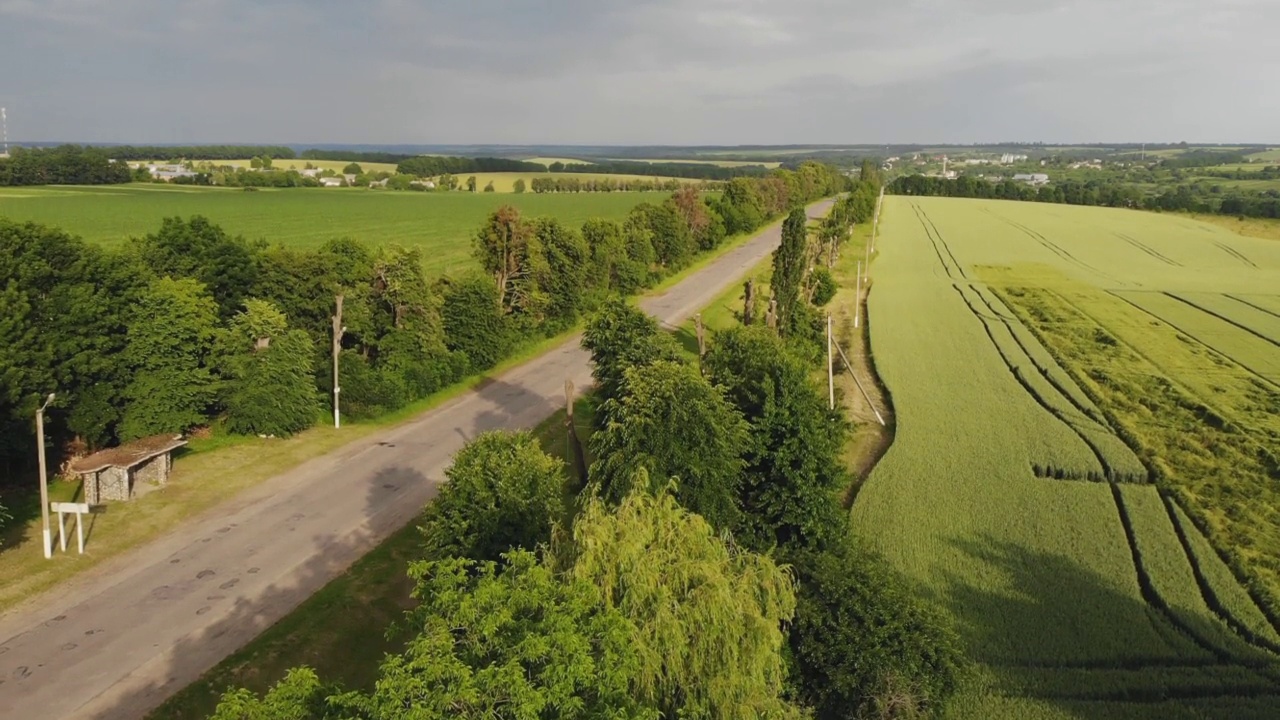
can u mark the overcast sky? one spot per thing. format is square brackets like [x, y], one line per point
[640, 72]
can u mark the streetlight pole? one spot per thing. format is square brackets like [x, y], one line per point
[44, 478]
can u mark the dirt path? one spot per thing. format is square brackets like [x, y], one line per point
[118, 640]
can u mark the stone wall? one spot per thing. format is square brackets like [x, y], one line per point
[154, 471]
[110, 483]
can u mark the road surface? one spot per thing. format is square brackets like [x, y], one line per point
[116, 642]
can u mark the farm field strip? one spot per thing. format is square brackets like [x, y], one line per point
[1112, 458]
[1242, 314]
[1217, 467]
[1245, 347]
[1076, 599]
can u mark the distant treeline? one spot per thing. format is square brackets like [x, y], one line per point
[606, 184]
[198, 152]
[1188, 198]
[64, 165]
[433, 165]
[190, 326]
[353, 156]
[703, 171]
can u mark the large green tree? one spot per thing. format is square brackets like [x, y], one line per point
[563, 276]
[621, 336]
[63, 309]
[197, 248]
[503, 492]
[789, 266]
[669, 420]
[507, 248]
[473, 324]
[269, 387]
[170, 337]
[794, 443]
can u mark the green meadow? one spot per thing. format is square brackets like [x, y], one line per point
[440, 224]
[1084, 465]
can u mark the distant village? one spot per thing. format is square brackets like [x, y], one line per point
[193, 173]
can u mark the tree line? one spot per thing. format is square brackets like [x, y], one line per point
[433, 165]
[698, 171]
[606, 184]
[1189, 198]
[704, 569]
[63, 165]
[198, 152]
[161, 336]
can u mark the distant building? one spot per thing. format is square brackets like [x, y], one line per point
[1032, 178]
[168, 172]
[1010, 158]
[311, 172]
[336, 181]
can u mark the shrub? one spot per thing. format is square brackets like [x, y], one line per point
[503, 492]
[473, 322]
[824, 286]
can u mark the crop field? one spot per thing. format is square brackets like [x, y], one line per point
[441, 224]
[300, 163]
[1085, 464]
[1272, 154]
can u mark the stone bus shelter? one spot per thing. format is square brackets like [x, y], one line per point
[114, 473]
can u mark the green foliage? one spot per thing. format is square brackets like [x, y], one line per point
[170, 336]
[352, 169]
[298, 696]
[269, 388]
[367, 391]
[197, 248]
[489, 187]
[671, 237]
[864, 645]
[473, 323]
[794, 443]
[518, 186]
[63, 309]
[621, 336]
[824, 286]
[562, 275]
[503, 493]
[670, 421]
[789, 266]
[507, 249]
[705, 618]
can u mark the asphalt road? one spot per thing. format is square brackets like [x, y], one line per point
[117, 641]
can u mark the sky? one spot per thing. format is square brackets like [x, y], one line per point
[673, 72]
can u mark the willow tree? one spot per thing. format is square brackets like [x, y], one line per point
[706, 619]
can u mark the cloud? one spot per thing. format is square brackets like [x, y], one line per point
[645, 71]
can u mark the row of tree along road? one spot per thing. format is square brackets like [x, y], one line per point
[190, 327]
[703, 567]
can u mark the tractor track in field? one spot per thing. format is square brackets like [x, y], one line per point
[1235, 254]
[1187, 333]
[1222, 317]
[1207, 594]
[1055, 248]
[1148, 250]
[939, 245]
[1255, 306]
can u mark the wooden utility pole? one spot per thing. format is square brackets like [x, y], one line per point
[831, 377]
[771, 316]
[44, 477]
[857, 295]
[338, 331]
[702, 337]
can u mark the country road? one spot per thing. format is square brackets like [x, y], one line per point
[116, 642]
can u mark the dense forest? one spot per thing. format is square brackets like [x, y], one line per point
[186, 326]
[197, 152]
[702, 171]
[1190, 198]
[701, 568]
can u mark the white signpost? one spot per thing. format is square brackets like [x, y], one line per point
[62, 508]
